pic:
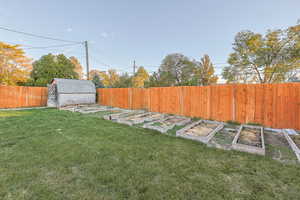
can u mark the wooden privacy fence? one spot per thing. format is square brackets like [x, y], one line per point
[19, 96]
[273, 105]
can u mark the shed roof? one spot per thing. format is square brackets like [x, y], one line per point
[73, 86]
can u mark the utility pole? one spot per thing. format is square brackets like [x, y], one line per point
[133, 67]
[87, 59]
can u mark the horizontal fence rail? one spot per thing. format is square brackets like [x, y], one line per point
[273, 105]
[19, 96]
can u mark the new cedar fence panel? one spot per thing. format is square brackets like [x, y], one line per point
[139, 99]
[273, 105]
[185, 103]
[170, 100]
[154, 97]
[19, 96]
[195, 104]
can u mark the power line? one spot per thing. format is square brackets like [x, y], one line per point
[53, 46]
[37, 36]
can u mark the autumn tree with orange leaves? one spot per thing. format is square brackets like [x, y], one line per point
[78, 67]
[15, 67]
[140, 78]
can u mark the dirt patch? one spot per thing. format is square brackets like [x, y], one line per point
[136, 117]
[277, 147]
[276, 139]
[202, 129]
[296, 139]
[223, 138]
[250, 136]
[173, 121]
[127, 114]
[168, 122]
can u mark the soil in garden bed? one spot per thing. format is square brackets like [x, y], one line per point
[128, 114]
[140, 116]
[223, 138]
[102, 113]
[296, 139]
[173, 120]
[157, 116]
[137, 116]
[278, 148]
[250, 136]
[168, 122]
[202, 129]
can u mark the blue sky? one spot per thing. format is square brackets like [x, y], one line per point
[122, 31]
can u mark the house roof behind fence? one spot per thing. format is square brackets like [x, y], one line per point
[73, 86]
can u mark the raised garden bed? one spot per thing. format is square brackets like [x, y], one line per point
[277, 146]
[202, 130]
[250, 139]
[224, 137]
[86, 108]
[140, 118]
[293, 139]
[122, 114]
[168, 123]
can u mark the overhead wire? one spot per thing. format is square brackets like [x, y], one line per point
[37, 36]
[73, 43]
[53, 46]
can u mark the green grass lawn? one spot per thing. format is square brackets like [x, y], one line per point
[51, 154]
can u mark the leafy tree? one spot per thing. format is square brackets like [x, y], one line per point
[113, 77]
[125, 81]
[15, 67]
[108, 79]
[176, 69]
[266, 58]
[205, 72]
[103, 77]
[140, 77]
[95, 72]
[78, 67]
[153, 80]
[97, 81]
[52, 66]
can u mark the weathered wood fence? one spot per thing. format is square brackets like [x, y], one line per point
[273, 105]
[19, 96]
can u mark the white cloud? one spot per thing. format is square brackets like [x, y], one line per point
[69, 29]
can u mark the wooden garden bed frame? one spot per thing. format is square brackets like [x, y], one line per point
[151, 125]
[203, 139]
[123, 113]
[249, 148]
[142, 119]
[291, 142]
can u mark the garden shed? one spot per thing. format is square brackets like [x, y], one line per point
[63, 92]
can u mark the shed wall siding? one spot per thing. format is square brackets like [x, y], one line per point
[70, 99]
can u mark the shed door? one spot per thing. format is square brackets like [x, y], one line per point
[52, 97]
